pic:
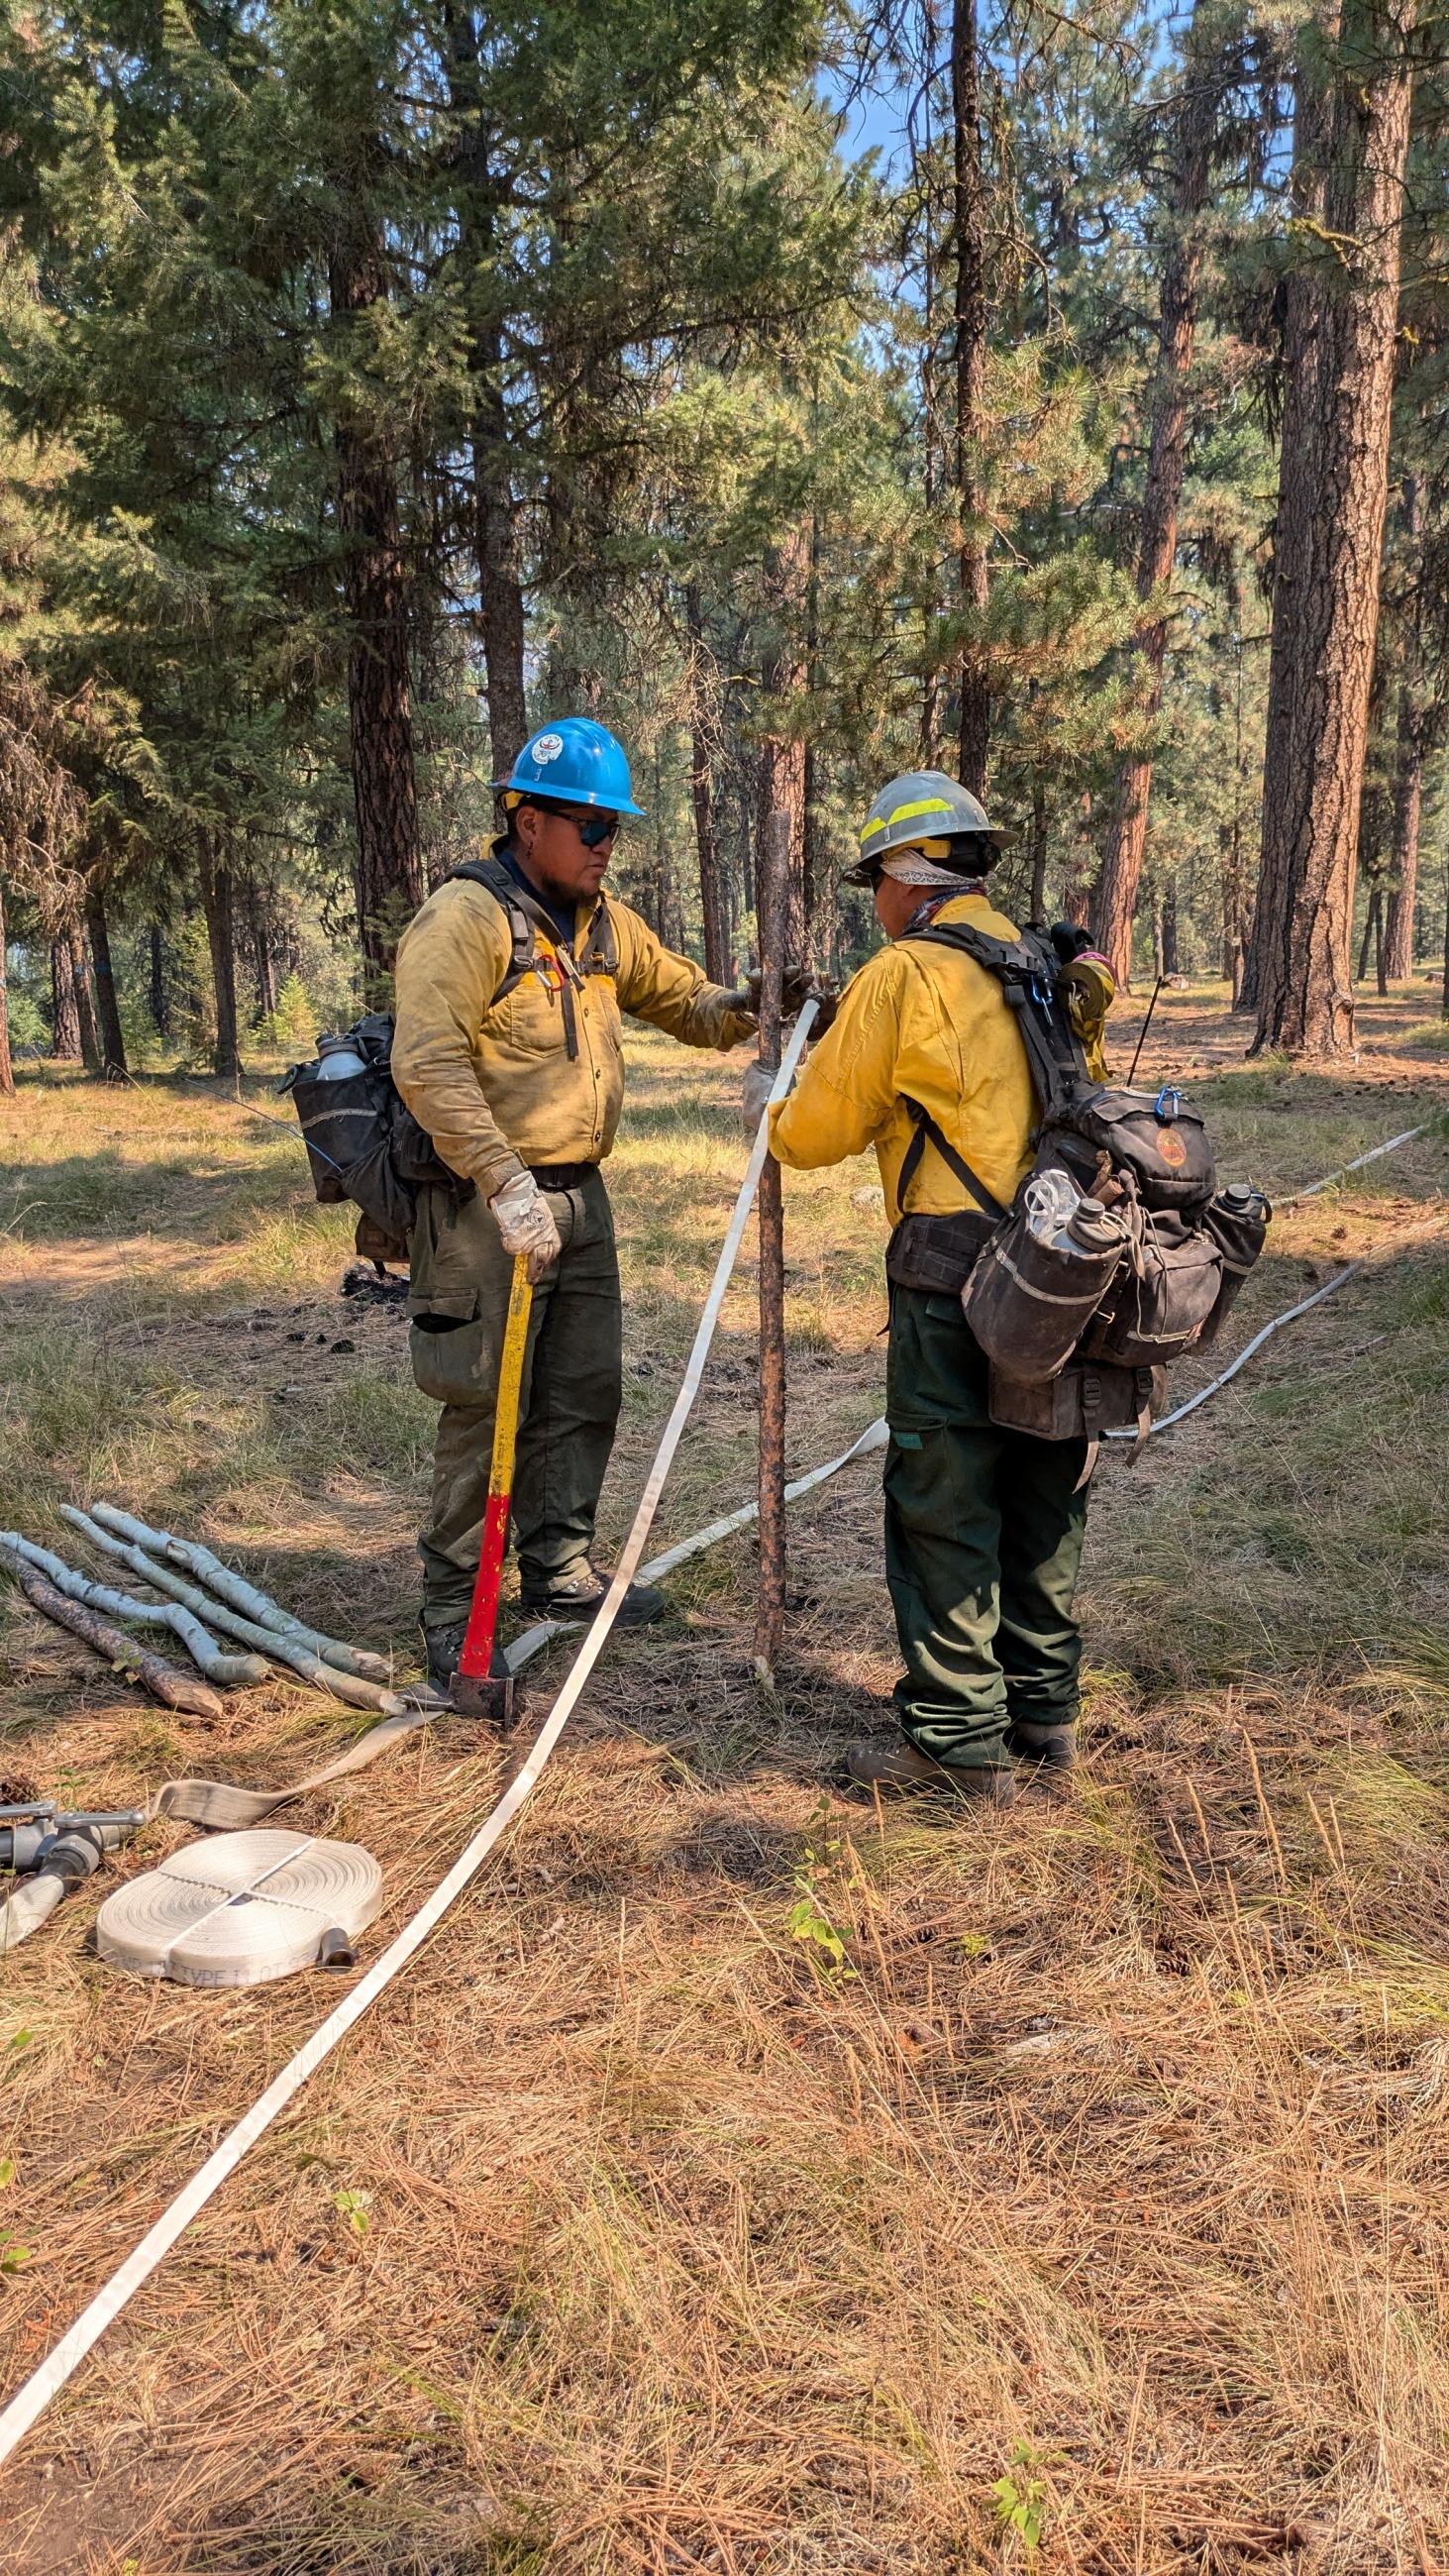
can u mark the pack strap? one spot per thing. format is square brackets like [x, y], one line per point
[1027, 971]
[598, 953]
[926, 1130]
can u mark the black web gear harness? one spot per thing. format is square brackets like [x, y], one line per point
[1026, 969]
[598, 953]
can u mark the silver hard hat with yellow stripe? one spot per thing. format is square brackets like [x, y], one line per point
[922, 810]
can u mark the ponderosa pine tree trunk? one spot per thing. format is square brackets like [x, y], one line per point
[90, 1037]
[701, 789]
[1408, 789]
[108, 1016]
[780, 779]
[388, 875]
[1370, 925]
[217, 904]
[156, 960]
[1408, 810]
[7, 1074]
[1325, 601]
[969, 178]
[495, 517]
[1117, 886]
[1300, 351]
[258, 899]
[65, 1035]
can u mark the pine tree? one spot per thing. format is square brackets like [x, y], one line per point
[1351, 137]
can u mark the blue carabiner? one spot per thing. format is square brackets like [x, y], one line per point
[1168, 1094]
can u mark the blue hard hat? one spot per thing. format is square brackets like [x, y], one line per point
[573, 762]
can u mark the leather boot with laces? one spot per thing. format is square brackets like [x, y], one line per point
[574, 1600]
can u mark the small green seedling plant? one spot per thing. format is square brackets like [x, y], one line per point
[808, 1920]
[13, 2255]
[1020, 2498]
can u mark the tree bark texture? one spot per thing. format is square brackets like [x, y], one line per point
[780, 787]
[262, 951]
[116, 1646]
[495, 515]
[1300, 348]
[969, 181]
[65, 1036]
[108, 1016]
[90, 1039]
[7, 1072]
[774, 900]
[1038, 847]
[1408, 789]
[1117, 886]
[216, 901]
[388, 874]
[1408, 809]
[1332, 495]
[156, 964]
[713, 911]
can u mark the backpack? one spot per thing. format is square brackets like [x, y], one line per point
[363, 1142]
[1080, 1324]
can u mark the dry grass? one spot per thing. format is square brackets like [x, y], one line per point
[1110, 2163]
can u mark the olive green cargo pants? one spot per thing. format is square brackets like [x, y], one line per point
[983, 1537]
[461, 1278]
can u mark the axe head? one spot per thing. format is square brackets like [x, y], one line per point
[493, 1697]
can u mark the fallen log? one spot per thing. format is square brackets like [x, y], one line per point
[124, 1654]
[233, 1588]
[281, 1647]
[231, 1671]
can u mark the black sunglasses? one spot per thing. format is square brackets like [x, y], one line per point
[593, 832]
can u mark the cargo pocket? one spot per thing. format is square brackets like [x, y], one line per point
[452, 1353]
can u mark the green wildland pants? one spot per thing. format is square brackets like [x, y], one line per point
[983, 1537]
[461, 1278]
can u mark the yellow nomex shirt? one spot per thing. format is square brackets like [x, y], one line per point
[928, 1024]
[493, 1084]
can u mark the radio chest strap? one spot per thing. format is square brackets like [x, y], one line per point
[598, 954]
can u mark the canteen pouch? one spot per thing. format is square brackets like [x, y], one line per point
[1238, 1220]
[1162, 1297]
[1079, 1403]
[1028, 1302]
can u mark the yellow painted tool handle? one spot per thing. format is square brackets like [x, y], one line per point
[510, 1379]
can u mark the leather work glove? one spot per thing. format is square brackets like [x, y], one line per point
[799, 985]
[758, 1084]
[525, 1220]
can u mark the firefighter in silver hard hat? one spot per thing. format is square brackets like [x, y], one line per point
[984, 1525]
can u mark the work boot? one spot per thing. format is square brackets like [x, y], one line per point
[443, 1646]
[574, 1601]
[1048, 1748]
[901, 1772]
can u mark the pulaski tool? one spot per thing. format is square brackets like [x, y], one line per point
[482, 1686]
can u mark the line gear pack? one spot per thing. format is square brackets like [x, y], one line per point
[363, 1142]
[1079, 1320]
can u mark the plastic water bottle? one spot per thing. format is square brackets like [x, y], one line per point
[337, 1058]
[1052, 1200]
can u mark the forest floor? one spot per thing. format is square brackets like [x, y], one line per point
[1098, 2197]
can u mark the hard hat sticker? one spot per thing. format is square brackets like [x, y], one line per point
[547, 748]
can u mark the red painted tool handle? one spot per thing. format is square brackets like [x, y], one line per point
[476, 1658]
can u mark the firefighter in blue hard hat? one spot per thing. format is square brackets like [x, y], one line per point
[510, 985]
